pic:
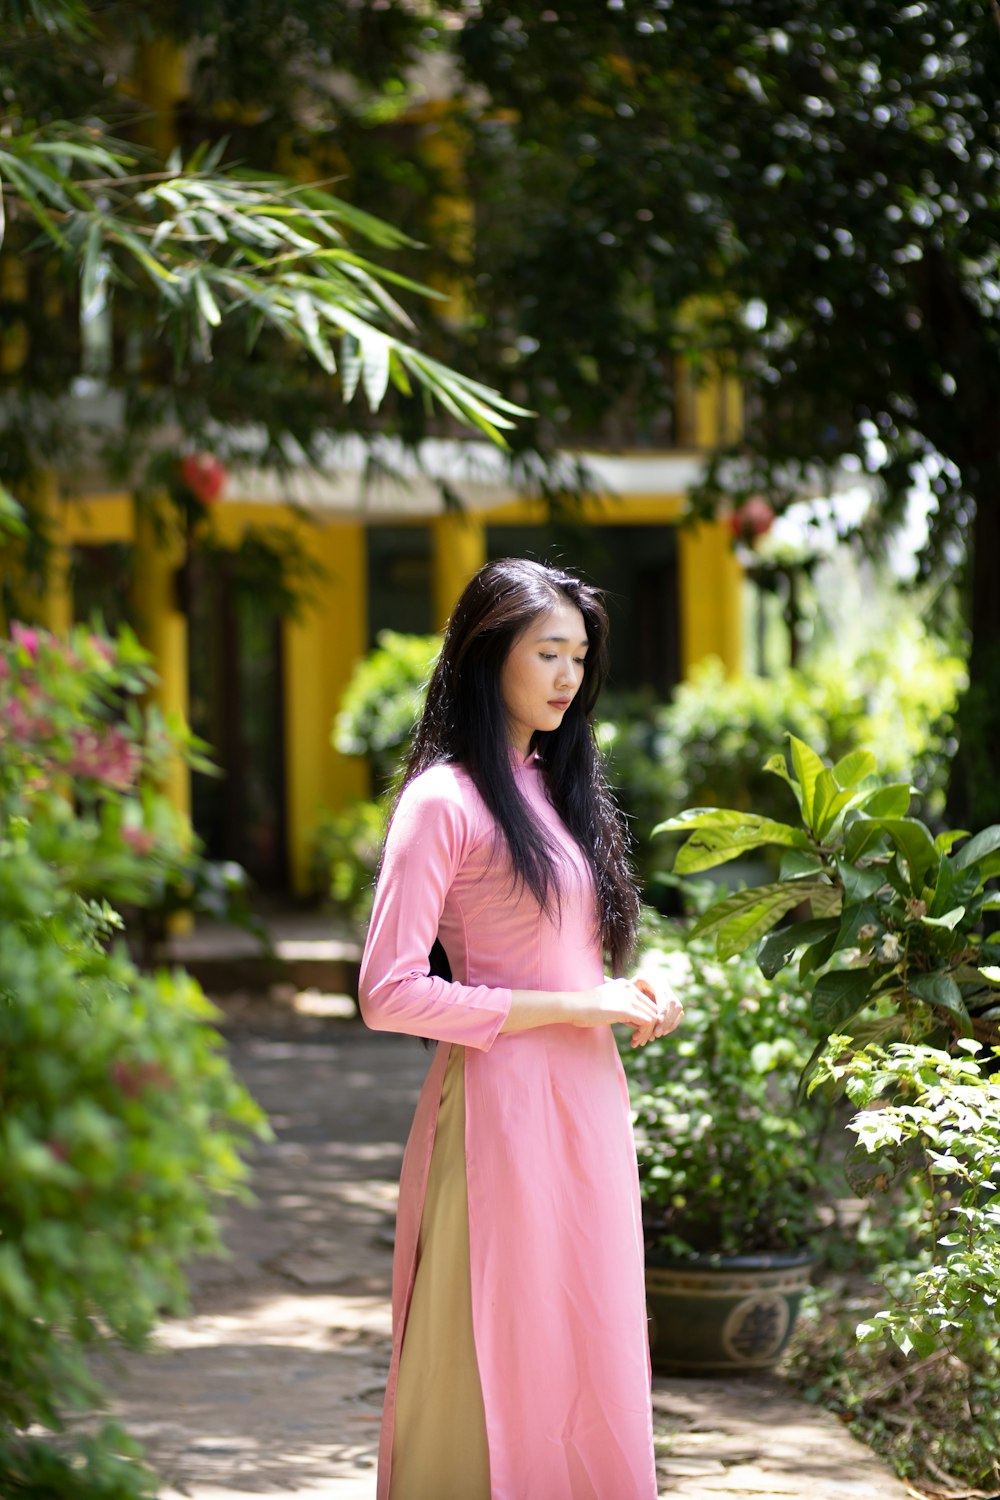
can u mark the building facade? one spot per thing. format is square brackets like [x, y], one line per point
[263, 690]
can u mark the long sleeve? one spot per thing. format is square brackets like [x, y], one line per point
[428, 839]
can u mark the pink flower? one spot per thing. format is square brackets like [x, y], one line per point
[139, 839]
[103, 648]
[26, 636]
[108, 757]
[24, 721]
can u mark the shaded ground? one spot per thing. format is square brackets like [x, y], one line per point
[273, 1384]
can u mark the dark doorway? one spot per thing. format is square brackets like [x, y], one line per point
[236, 705]
[399, 580]
[100, 581]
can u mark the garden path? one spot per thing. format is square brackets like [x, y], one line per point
[271, 1385]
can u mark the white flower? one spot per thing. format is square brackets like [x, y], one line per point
[890, 949]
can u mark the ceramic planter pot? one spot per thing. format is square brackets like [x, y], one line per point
[724, 1315]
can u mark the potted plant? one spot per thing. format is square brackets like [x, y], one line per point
[730, 1160]
[891, 929]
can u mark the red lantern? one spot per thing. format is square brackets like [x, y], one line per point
[204, 476]
[752, 519]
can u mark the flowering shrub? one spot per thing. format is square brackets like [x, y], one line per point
[119, 1117]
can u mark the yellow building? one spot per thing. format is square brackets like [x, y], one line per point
[264, 691]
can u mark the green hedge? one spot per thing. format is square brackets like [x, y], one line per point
[120, 1120]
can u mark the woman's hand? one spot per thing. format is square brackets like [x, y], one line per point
[651, 1012]
[670, 1011]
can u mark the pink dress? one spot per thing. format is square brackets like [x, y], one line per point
[555, 1240]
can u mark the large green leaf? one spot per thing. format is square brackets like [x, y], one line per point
[911, 838]
[818, 954]
[978, 847]
[720, 834]
[854, 918]
[854, 767]
[889, 801]
[829, 801]
[797, 862]
[839, 996]
[779, 947]
[740, 919]
[940, 990]
[861, 834]
[808, 769]
[859, 883]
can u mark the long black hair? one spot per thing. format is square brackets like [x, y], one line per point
[465, 721]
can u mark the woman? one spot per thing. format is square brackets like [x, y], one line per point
[520, 1365]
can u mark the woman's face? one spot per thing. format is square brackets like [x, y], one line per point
[543, 672]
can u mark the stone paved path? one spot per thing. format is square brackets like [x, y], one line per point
[272, 1385]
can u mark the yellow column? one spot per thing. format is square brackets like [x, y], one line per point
[321, 650]
[717, 407]
[160, 82]
[56, 612]
[710, 586]
[161, 626]
[459, 551]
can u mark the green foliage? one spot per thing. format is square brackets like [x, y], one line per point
[346, 855]
[901, 908]
[378, 713]
[709, 745]
[215, 243]
[729, 1158]
[933, 1120]
[938, 1120]
[888, 925]
[384, 699]
[120, 1120]
[933, 1419]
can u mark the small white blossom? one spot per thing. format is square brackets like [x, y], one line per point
[890, 949]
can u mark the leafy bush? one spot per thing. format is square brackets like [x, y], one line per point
[384, 699]
[901, 908]
[346, 856]
[119, 1117]
[729, 1158]
[709, 745]
[887, 923]
[928, 1163]
[378, 713]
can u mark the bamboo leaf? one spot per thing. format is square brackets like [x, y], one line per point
[92, 292]
[350, 365]
[206, 302]
[375, 367]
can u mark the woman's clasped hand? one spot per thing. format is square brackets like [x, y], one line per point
[652, 1010]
